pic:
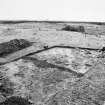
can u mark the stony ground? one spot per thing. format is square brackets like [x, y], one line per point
[62, 67]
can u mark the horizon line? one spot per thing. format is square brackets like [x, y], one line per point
[48, 21]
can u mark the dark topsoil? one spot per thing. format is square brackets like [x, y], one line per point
[13, 46]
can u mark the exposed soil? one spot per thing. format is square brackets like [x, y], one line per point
[45, 63]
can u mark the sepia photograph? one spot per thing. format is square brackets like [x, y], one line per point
[52, 52]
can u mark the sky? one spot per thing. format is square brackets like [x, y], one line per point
[60, 10]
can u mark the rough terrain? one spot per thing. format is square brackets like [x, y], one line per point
[58, 66]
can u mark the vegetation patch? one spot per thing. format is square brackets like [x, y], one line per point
[14, 100]
[74, 28]
[12, 46]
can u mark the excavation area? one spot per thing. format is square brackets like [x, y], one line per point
[52, 63]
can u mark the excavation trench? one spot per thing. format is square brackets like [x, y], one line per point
[44, 64]
[34, 50]
[29, 52]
